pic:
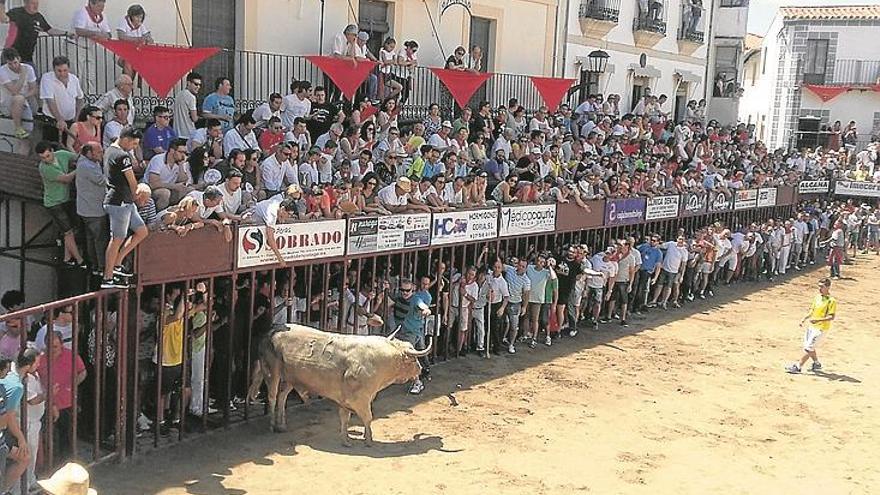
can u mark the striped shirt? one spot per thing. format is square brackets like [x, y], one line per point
[517, 284]
[148, 212]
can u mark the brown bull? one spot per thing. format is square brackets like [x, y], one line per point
[350, 370]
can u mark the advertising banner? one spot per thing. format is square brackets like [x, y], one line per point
[388, 233]
[853, 188]
[814, 186]
[296, 241]
[746, 199]
[528, 219]
[464, 226]
[624, 211]
[718, 201]
[694, 204]
[662, 207]
[766, 197]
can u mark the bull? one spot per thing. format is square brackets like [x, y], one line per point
[350, 370]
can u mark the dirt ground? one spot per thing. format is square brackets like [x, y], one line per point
[690, 401]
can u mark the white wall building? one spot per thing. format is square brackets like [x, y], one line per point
[729, 23]
[821, 47]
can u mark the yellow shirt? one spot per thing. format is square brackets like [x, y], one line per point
[172, 343]
[823, 306]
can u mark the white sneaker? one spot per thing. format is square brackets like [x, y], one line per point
[572, 333]
[143, 422]
[548, 341]
[793, 369]
[511, 349]
[417, 387]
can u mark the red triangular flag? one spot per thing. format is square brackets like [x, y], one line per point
[461, 84]
[552, 89]
[344, 73]
[368, 111]
[826, 93]
[160, 66]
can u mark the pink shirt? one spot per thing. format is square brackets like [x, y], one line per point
[61, 376]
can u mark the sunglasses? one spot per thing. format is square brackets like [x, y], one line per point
[406, 290]
[372, 183]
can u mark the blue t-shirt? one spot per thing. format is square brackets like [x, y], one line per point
[157, 138]
[414, 322]
[220, 105]
[13, 391]
[651, 255]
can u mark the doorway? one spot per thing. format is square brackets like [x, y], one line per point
[215, 26]
[681, 99]
[641, 85]
[481, 34]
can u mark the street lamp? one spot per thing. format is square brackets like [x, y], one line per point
[597, 61]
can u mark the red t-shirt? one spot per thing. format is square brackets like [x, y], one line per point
[61, 376]
[269, 140]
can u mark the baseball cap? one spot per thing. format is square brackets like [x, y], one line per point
[363, 36]
[447, 123]
[610, 250]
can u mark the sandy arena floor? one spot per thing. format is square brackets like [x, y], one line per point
[689, 401]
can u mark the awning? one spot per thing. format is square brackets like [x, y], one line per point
[646, 71]
[687, 76]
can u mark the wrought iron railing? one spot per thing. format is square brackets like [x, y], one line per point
[600, 10]
[255, 75]
[691, 27]
[650, 16]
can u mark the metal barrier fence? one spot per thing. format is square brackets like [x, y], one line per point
[255, 75]
[174, 357]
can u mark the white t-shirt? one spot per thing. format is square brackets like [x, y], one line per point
[112, 130]
[231, 200]
[673, 256]
[341, 46]
[66, 336]
[82, 20]
[34, 411]
[292, 107]
[184, 102]
[234, 140]
[266, 211]
[65, 95]
[204, 211]
[388, 196]
[167, 174]
[127, 30]
[387, 59]
[263, 113]
[8, 76]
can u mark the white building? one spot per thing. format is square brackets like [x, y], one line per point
[729, 24]
[666, 50]
[810, 51]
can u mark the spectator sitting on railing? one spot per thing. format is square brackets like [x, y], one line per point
[62, 97]
[242, 136]
[18, 90]
[168, 175]
[57, 174]
[220, 105]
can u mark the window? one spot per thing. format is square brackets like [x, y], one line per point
[726, 77]
[815, 61]
[734, 3]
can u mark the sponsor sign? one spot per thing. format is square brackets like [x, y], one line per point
[766, 197]
[853, 188]
[814, 186]
[662, 207]
[526, 220]
[694, 204]
[464, 226]
[745, 199]
[718, 201]
[624, 211]
[296, 241]
[388, 233]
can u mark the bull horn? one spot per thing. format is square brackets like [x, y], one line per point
[422, 353]
[390, 337]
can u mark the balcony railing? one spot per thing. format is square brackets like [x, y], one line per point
[600, 10]
[652, 21]
[255, 75]
[851, 72]
[692, 24]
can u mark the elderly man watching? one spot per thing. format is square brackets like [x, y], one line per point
[122, 91]
[395, 197]
[62, 96]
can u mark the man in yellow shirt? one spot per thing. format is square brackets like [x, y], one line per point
[822, 313]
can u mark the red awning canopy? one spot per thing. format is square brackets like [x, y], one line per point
[160, 66]
[344, 73]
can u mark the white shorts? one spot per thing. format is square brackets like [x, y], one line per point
[730, 262]
[812, 338]
[706, 267]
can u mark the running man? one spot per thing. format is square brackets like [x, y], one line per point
[822, 312]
